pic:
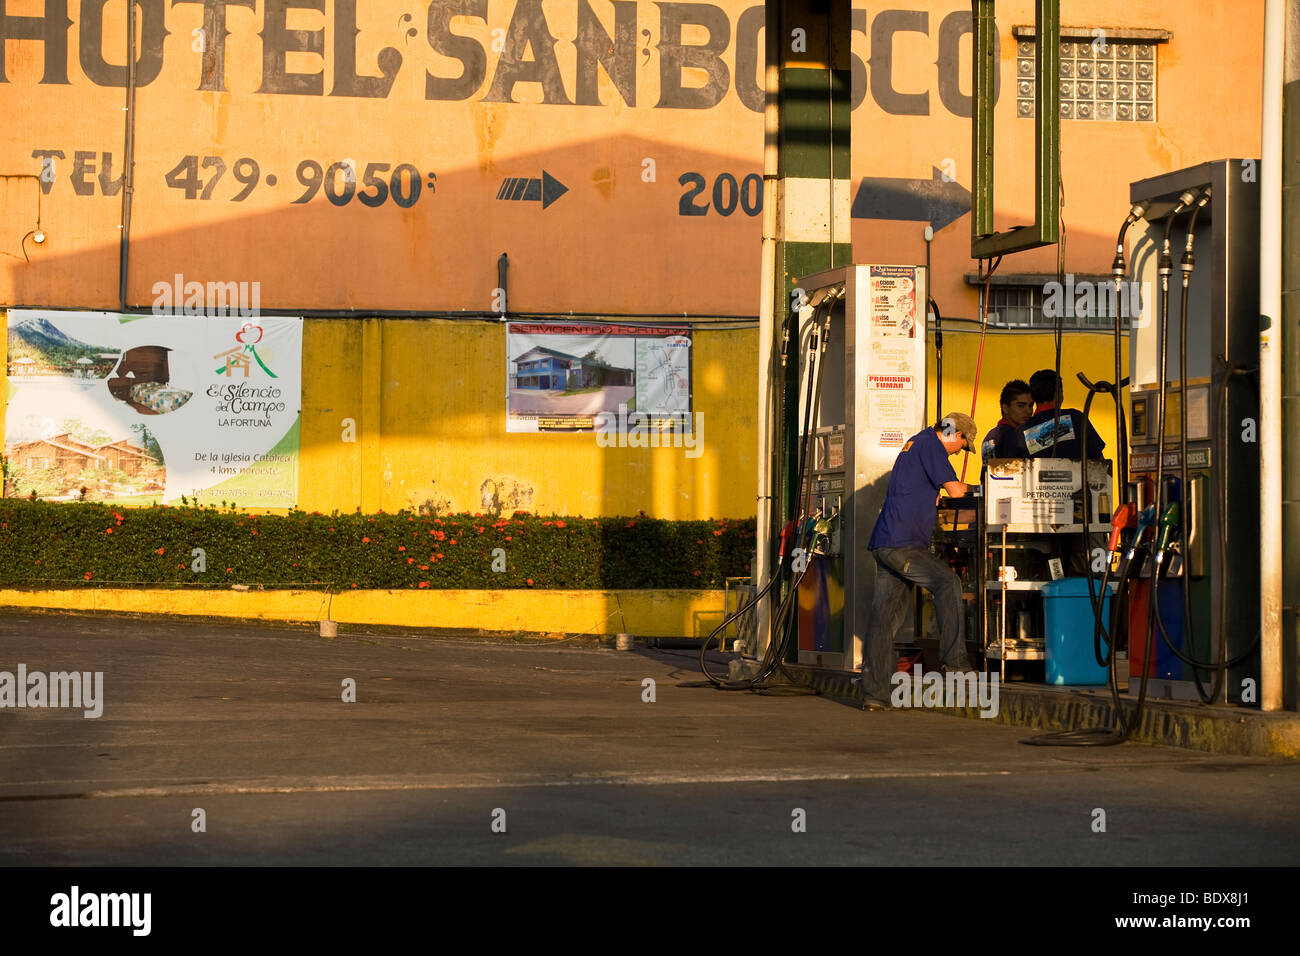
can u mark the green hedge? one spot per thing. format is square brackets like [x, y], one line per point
[97, 545]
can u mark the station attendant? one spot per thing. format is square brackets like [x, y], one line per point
[1048, 394]
[1005, 439]
[900, 543]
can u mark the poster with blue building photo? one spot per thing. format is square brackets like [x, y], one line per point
[585, 377]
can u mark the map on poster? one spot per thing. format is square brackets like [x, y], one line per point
[663, 375]
[144, 409]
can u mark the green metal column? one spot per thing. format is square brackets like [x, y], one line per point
[813, 187]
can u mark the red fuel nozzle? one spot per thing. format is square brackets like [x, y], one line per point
[786, 534]
[1123, 519]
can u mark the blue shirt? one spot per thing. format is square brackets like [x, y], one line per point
[1004, 441]
[908, 514]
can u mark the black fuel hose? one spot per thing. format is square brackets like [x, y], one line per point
[1220, 667]
[781, 629]
[1098, 602]
[1107, 736]
[1166, 269]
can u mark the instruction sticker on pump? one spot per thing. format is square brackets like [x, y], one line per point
[1038, 510]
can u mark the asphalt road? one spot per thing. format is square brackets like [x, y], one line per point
[449, 740]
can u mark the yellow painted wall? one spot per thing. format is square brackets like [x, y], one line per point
[428, 400]
[1009, 355]
[642, 613]
[436, 438]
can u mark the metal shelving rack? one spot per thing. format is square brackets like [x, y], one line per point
[997, 649]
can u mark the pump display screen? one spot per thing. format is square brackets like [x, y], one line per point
[1141, 427]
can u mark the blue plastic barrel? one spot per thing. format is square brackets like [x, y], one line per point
[1069, 620]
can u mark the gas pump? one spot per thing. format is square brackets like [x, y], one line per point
[872, 400]
[860, 337]
[1193, 466]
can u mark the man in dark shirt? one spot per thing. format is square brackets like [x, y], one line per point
[1005, 440]
[1046, 390]
[900, 543]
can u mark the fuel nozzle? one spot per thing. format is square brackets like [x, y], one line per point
[1144, 520]
[1136, 212]
[1188, 261]
[1166, 260]
[787, 533]
[1123, 519]
[1169, 522]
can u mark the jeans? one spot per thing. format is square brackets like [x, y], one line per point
[897, 569]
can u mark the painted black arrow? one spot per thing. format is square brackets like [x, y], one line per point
[522, 189]
[914, 200]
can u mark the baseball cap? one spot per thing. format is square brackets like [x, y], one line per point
[962, 424]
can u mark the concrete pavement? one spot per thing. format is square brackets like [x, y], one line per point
[448, 737]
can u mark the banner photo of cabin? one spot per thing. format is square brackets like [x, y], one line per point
[145, 410]
[597, 377]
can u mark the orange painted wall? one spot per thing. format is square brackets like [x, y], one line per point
[614, 243]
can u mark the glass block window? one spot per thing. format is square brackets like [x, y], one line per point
[1112, 81]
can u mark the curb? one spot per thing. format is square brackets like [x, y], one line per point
[1219, 729]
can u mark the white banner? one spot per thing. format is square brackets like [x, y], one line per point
[144, 409]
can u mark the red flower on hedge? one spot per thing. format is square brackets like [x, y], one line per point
[365, 540]
[410, 560]
[717, 534]
[424, 567]
[424, 584]
[508, 538]
[530, 582]
[440, 554]
[545, 524]
[108, 531]
[89, 575]
[162, 550]
[559, 524]
[401, 547]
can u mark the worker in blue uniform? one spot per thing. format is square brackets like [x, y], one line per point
[900, 543]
